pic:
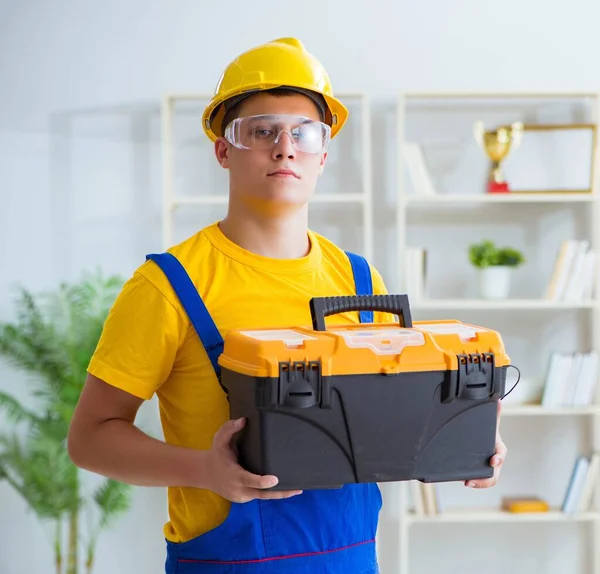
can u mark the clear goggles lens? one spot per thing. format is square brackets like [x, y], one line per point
[265, 131]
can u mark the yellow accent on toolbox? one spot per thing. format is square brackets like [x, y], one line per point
[362, 348]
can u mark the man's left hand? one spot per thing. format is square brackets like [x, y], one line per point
[496, 461]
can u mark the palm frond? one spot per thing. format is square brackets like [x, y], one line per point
[14, 410]
[34, 352]
[41, 467]
[55, 334]
[30, 475]
[113, 499]
[52, 338]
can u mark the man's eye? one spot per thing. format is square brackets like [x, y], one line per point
[262, 133]
[308, 133]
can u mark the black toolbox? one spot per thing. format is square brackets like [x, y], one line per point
[365, 402]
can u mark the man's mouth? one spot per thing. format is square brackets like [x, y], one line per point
[284, 173]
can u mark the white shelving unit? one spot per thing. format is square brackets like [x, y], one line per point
[500, 198]
[485, 515]
[502, 305]
[408, 208]
[362, 198]
[453, 203]
[536, 410]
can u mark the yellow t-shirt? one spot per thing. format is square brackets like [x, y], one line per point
[148, 344]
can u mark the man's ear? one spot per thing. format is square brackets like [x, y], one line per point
[222, 149]
[322, 164]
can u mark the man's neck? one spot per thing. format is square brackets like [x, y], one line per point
[284, 236]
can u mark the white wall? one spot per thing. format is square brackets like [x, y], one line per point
[80, 85]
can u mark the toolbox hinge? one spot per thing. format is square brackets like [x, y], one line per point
[475, 378]
[300, 385]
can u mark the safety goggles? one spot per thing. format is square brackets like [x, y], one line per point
[265, 131]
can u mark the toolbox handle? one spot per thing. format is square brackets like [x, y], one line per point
[321, 307]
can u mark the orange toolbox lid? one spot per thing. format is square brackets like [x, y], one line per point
[367, 348]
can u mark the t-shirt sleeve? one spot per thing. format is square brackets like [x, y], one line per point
[379, 288]
[140, 339]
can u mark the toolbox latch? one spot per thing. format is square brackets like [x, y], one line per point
[474, 380]
[299, 384]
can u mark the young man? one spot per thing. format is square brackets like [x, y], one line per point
[271, 119]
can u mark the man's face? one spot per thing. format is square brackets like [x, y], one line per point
[276, 176]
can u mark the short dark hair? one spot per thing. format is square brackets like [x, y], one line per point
[232, 112]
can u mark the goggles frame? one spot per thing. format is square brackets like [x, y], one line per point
[233, 131]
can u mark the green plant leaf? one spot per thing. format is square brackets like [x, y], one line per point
[14, 410]
[487, 254]
[113, 499]
[52, 339]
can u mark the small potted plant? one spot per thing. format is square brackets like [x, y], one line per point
[495, 266]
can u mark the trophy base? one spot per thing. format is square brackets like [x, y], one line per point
[497, 187]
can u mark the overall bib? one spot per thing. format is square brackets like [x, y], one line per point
[317, 532]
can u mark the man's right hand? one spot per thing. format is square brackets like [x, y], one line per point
[104, 440]
[228, 479]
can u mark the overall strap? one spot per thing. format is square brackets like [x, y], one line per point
[362, 281]
[203, 322]
[193, 305]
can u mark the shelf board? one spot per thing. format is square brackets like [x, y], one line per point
[503, 304]
[495, 516]
[559, 94]
[200, 200]
[224, 199]
[538, 410]
[566, 197]
[338, 198]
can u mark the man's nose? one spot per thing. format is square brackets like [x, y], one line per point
[284, 146]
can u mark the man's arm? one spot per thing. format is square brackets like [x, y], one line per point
[134, 356]
[103, 439]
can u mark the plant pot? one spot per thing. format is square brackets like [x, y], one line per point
[494, 282]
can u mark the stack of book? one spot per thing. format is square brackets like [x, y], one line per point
[573, 277]
[578, 497]
[427, 498]
[584, 478]
[571, 379]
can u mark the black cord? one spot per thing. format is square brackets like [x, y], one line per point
[513, 387]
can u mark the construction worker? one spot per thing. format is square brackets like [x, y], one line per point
[271, 119]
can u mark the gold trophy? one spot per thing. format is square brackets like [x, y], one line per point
[497, 144]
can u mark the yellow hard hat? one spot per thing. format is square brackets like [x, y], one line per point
[280, 63]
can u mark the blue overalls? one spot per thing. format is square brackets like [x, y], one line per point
[316, 532]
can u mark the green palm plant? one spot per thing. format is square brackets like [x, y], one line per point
[52, 339]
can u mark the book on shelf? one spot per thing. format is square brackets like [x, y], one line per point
[426, 498]
[574, 272]
[579, 496]
[416, 272]
[571, 379]
[417, 169]
[522, 504]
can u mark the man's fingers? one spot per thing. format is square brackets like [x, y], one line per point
[277, 494]
[249, 494]
[481, 483]
[497, 460]
[255, 487]
[246, 486]
[224, 435]
[257, 481]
